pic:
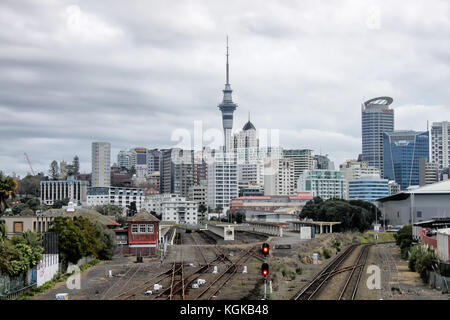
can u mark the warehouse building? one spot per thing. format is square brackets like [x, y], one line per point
[417, 204]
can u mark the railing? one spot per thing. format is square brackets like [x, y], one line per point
[14, 294]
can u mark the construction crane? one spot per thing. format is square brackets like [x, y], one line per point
[29, 163]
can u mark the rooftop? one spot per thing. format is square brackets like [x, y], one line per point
[143, 215]
[442, 187]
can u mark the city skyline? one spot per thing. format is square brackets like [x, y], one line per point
[132, 83]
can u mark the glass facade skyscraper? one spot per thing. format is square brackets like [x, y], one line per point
[376, 118]
[402, 152]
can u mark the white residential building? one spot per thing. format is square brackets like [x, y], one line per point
[115, 195]
[101, 164]
[222, 180]
[153, 202]
[279, 177]
[179, 210]
[326, 184]
[173, 208]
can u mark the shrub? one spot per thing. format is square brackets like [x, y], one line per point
[421, 260]
[299, 270]
[327, 253]
[404, 240]
[425, 263]
[337, 245]
[287, 273]
[415, 253]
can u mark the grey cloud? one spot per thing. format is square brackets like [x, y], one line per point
[156, 66]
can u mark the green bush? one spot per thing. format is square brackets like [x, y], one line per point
[326, 253]
[425, 263]
[421, 260]
[403, 238]
[415, 253]
[299, 270]
[337, 245]
[287, 273]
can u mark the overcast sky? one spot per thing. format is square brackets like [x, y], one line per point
[132, 72]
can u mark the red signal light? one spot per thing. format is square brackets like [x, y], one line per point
[265, 249]
[265, 269]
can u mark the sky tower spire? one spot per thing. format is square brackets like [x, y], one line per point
[228, 66]
[227, 107]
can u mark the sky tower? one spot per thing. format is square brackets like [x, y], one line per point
[227, 107]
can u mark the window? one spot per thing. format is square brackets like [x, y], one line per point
[142, 228]
[419, 214]
[18, 227]
[150, 228]
[134, 228]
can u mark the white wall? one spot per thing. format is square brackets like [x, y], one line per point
[47, 268]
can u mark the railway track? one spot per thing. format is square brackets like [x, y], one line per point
[219, 282]
[124, 279]
[178, 280]
[333, 268]
[350, 288]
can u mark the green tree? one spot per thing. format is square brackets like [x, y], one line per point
[109, 210]
[240, 217]
[8, 187]
[30, 185]
[132, 209]
[58, 204]
[403, 238]
[202, 208]
[107, 242]
[352, 216]
[77, 238]
[20, 253]
[18, 208]
[53, 171]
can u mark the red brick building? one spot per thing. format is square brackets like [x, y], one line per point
[143, 234]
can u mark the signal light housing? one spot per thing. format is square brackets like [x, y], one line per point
[265, 249]
[265, 269]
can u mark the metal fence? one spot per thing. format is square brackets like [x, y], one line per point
[11, 287]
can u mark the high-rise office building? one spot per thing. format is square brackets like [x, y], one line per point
[101, 164]
[153, 160]
[376, 118]
[125, 159]
[323, 162]
[402, 152]
[227, 108]
[177, 171]
[440, 144]
[141, 165]
[303, 160]
[428, 172]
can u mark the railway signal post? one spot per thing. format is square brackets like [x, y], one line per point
[265, 266]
